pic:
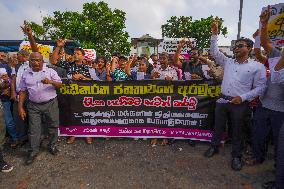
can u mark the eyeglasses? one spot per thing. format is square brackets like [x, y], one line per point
[239, 46]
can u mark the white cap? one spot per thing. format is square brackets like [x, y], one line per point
[3, 71]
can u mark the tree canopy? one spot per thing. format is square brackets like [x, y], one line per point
[186, 27]
[97, 27]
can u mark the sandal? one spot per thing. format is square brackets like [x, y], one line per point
[89, 140]
[71, 140]
[164, 142]
[154, 142]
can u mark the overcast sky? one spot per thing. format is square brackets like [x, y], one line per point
[142, 16]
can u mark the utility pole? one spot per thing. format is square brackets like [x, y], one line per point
[240, 19]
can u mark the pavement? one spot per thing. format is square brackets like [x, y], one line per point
[126, 164]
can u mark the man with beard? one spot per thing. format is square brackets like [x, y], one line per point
[244, 79]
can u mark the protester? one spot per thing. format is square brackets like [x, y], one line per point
[5, 94]
[271, 108]
[99, 68]
[165, 72]
[142, 72]
[120, 69]
[75, 70]
[216, 71]
[244, 79]
[39, 84]
[193, 66]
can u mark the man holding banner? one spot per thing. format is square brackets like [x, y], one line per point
[244, 79]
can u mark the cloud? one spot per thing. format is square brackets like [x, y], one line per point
[142, 17]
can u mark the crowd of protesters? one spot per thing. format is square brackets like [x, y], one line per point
[251, 102]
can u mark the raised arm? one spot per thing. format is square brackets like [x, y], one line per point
[114, 63]
[264, 39]
[176, 60]
[257, 48]
[214, 50]
[55, 55]
[29, 32]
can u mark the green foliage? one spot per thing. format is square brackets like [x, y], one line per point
[185, 27]
[97, 27]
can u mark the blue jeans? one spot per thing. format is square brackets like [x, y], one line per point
[9, 120]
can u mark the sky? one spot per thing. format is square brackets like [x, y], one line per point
[142, 16]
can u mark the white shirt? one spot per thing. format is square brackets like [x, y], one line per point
[276, 76]
[19, 74]
[169, 71]
[247, 80]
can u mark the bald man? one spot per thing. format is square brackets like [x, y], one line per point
[39, 83]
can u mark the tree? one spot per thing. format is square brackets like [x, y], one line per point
[185, 27]
[97, 27]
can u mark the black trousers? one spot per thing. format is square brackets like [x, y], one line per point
[237, 113]
[261, 130]
[280, 160]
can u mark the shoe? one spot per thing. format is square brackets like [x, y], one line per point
[14, 144]
[6, 168]
[53, 150]
[31, 159]
[89, 140]
[253, 161]
[269, 185]
[71, 140]
[154, 142]
[171, 141]
[211, 152]
[191, 143]
[164, 142]
[237, 164]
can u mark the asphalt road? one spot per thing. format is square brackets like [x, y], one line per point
[125, 163]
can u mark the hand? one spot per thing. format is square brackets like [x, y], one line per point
[47, 81]
[195, 76]
[256, 33]
[182, 43]
[22, 113]
[155, 75]
[114, 60]
[236, 100]
[108, 67]
[131, 58]
[77, 77]
[168, 78]
[60, 43]
[5, 78]
[27, 29]
[214, 26]
[265, 15]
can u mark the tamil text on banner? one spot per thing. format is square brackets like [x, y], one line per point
[160, 109]
[276, 24]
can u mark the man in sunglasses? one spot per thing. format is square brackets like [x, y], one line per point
[244, 79]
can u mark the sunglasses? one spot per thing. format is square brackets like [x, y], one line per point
[239, 46]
